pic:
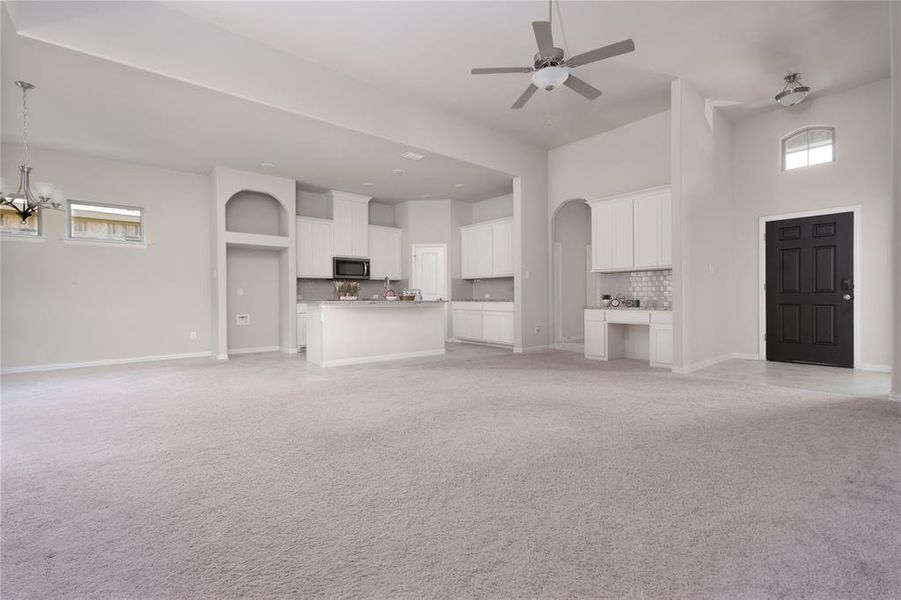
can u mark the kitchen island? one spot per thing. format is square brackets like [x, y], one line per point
[349, 332]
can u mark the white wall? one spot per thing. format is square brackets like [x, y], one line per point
[702, 214]
[630, 158]
[896, 193]
[861, 175]
[68, 303]
[492, 208]
[256, 274]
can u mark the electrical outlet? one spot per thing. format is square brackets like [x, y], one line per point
[193, 335]
[240, 291]
[242, 319]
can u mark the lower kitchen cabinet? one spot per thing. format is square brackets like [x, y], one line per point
[595, 339]
[301, 325]
[661, 345]
[486, 322]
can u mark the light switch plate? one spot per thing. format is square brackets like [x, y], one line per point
[242, 319]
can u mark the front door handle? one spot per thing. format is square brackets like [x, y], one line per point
[847, 297]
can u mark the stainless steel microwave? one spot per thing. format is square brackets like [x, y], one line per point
[350, 268]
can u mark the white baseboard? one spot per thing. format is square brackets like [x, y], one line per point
[570, 346]
[222, 356]
[289, 350]
[344, 362]
[895, 397]
[101, 363]
[486, 344]
[701, 365]
[254, 350]
[530, 349]
[876, 368]
[745, 356]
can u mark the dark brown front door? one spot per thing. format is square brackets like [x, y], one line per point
[810, 290]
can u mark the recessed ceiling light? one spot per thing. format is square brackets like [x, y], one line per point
[398, 171]
[267, 165]
[368, 184]
[426, 196]
[413, 155]
[459, 186]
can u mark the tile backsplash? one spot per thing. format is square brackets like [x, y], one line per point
[653, 288]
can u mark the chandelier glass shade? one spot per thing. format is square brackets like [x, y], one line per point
[29, 198]
[793, 92]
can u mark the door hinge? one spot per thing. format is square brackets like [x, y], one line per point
[764, 337]
[764, 287]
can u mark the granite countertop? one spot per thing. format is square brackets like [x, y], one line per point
[654, 308]
[484, 300]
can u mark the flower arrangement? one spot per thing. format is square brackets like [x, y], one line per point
[606, 299]
[347, 290]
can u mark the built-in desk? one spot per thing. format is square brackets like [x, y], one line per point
[629, 333]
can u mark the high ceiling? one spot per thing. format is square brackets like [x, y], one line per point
[733, 51]
[140, 117]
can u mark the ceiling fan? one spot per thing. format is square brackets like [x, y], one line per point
[551, 69]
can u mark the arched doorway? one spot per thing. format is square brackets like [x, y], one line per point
[571, 239]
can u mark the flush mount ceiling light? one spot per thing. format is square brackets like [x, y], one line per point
[368, 184]
[793, 92]
[267, 165]
[426, 196]
[398, 171]
[413, 155]
[459, 186]
[26, 201]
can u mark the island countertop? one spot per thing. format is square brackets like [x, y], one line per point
[373, 303]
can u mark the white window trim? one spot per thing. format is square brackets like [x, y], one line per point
[75, 241]
[90, 242]
[22, 237]
[789, 135]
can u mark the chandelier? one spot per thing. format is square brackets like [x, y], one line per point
[27, 201]
[793, 92]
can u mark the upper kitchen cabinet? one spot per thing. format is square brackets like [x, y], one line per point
[314, 248]
[632, 231]
[384, 252]
[350, 216]
[487, 249]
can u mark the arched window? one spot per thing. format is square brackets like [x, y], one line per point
[807, 147]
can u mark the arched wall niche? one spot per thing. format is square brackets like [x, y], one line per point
[250, 211]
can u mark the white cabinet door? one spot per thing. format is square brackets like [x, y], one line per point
[351, 219]
[646, 211]
[661, 345]
[467, 324]
[611, 235]
[596, 339]
[384, 253]
[622, 234]
[476, 253]
[666, 229]
[502, 248]
[498, 327]
[314, 248]
[302, 331]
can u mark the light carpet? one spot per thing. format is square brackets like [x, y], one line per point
[514, 476]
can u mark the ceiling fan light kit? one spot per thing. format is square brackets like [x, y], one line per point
[551, 68]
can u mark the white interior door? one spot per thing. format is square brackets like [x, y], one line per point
[429, 271]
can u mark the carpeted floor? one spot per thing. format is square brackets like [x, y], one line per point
[503, 476]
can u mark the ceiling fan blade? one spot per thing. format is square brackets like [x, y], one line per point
[521, 101]
[580, 86]
[493, 70]
[544, 37]
[597, 54]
